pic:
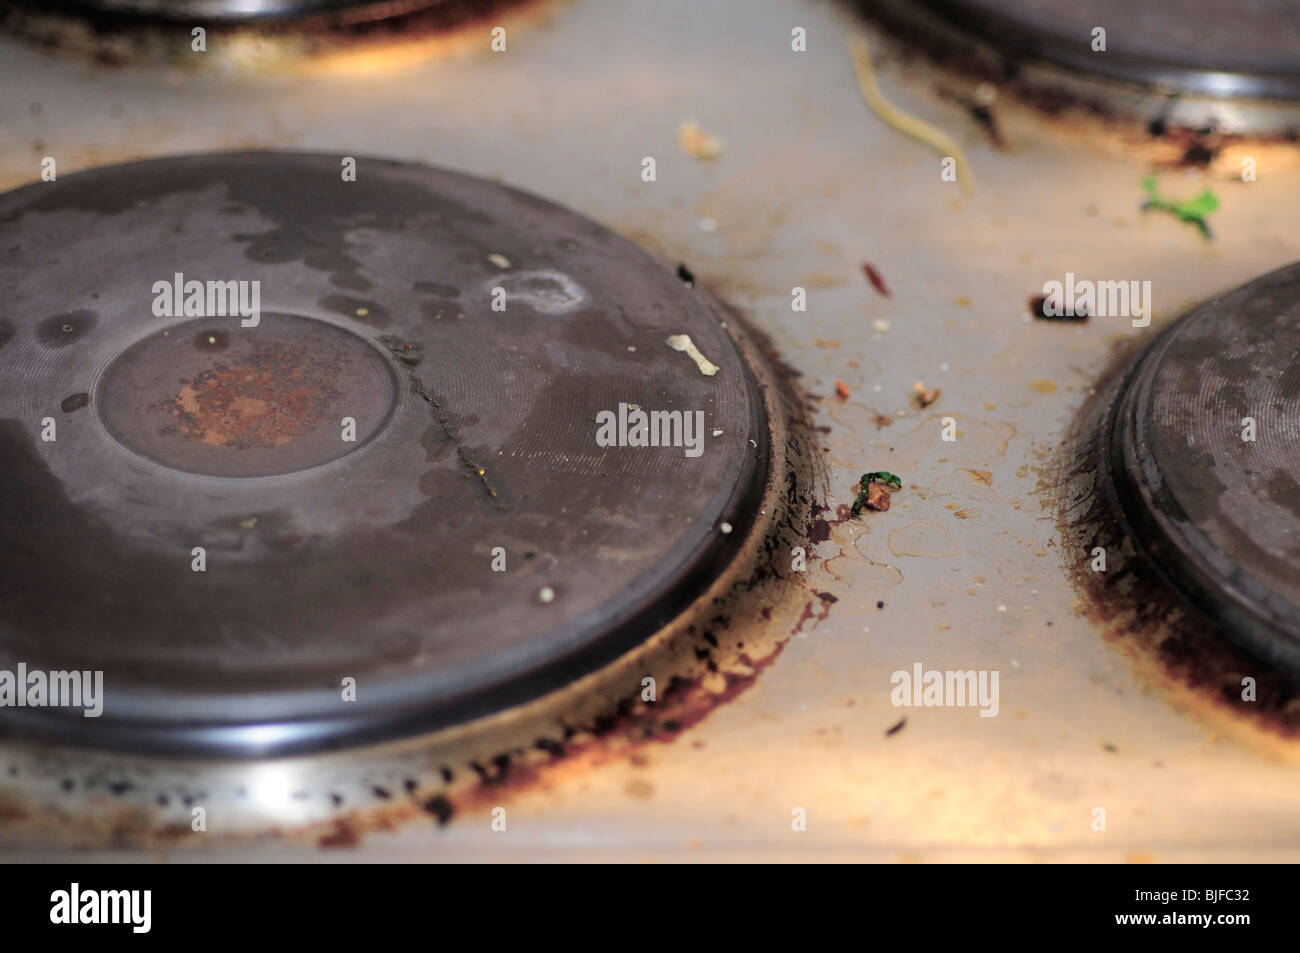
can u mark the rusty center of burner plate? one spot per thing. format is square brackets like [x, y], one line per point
[215, 398]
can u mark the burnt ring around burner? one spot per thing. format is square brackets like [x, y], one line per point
[1204, 454]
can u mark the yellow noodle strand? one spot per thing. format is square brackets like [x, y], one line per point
[907, 124]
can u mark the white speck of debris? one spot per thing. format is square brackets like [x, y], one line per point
[881, 325]
[717, 433]
[211, 339]
[986, 94]
[631, 347]
[501, 261]
[546, 594]
[943, 366]
[249, 523]
[752, 443]
[1015, 664]
[876, 388]
[708, 224]
[1002, 608]
[683, 342]
[725, 527]
[633, 406]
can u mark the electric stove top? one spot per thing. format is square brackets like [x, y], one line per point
[328, 374]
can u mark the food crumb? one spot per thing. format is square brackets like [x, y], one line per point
[697, 143]
[873, 491]
[842, 389]
[925, 397]
[1038, 308]
[877, 280]
[683, 343]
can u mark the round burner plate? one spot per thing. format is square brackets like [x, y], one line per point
[375, 503]
[1192, 45]
[1205, 455]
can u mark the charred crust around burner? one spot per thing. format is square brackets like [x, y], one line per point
[1196, 124]
[122, 36]
[703, 660]
[1136, 610]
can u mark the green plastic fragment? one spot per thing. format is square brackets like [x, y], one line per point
[1192, 210]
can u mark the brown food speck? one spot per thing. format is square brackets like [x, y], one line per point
[877, 280]
[1038, 308]
[896, 728]
[842, 389]
[925, 397]
[878, 497]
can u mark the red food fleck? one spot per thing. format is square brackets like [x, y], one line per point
[876, 279]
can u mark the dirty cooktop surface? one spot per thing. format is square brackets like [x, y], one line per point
[388, 473]
[968, 569]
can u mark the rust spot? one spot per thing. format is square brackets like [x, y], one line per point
[265, 401]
